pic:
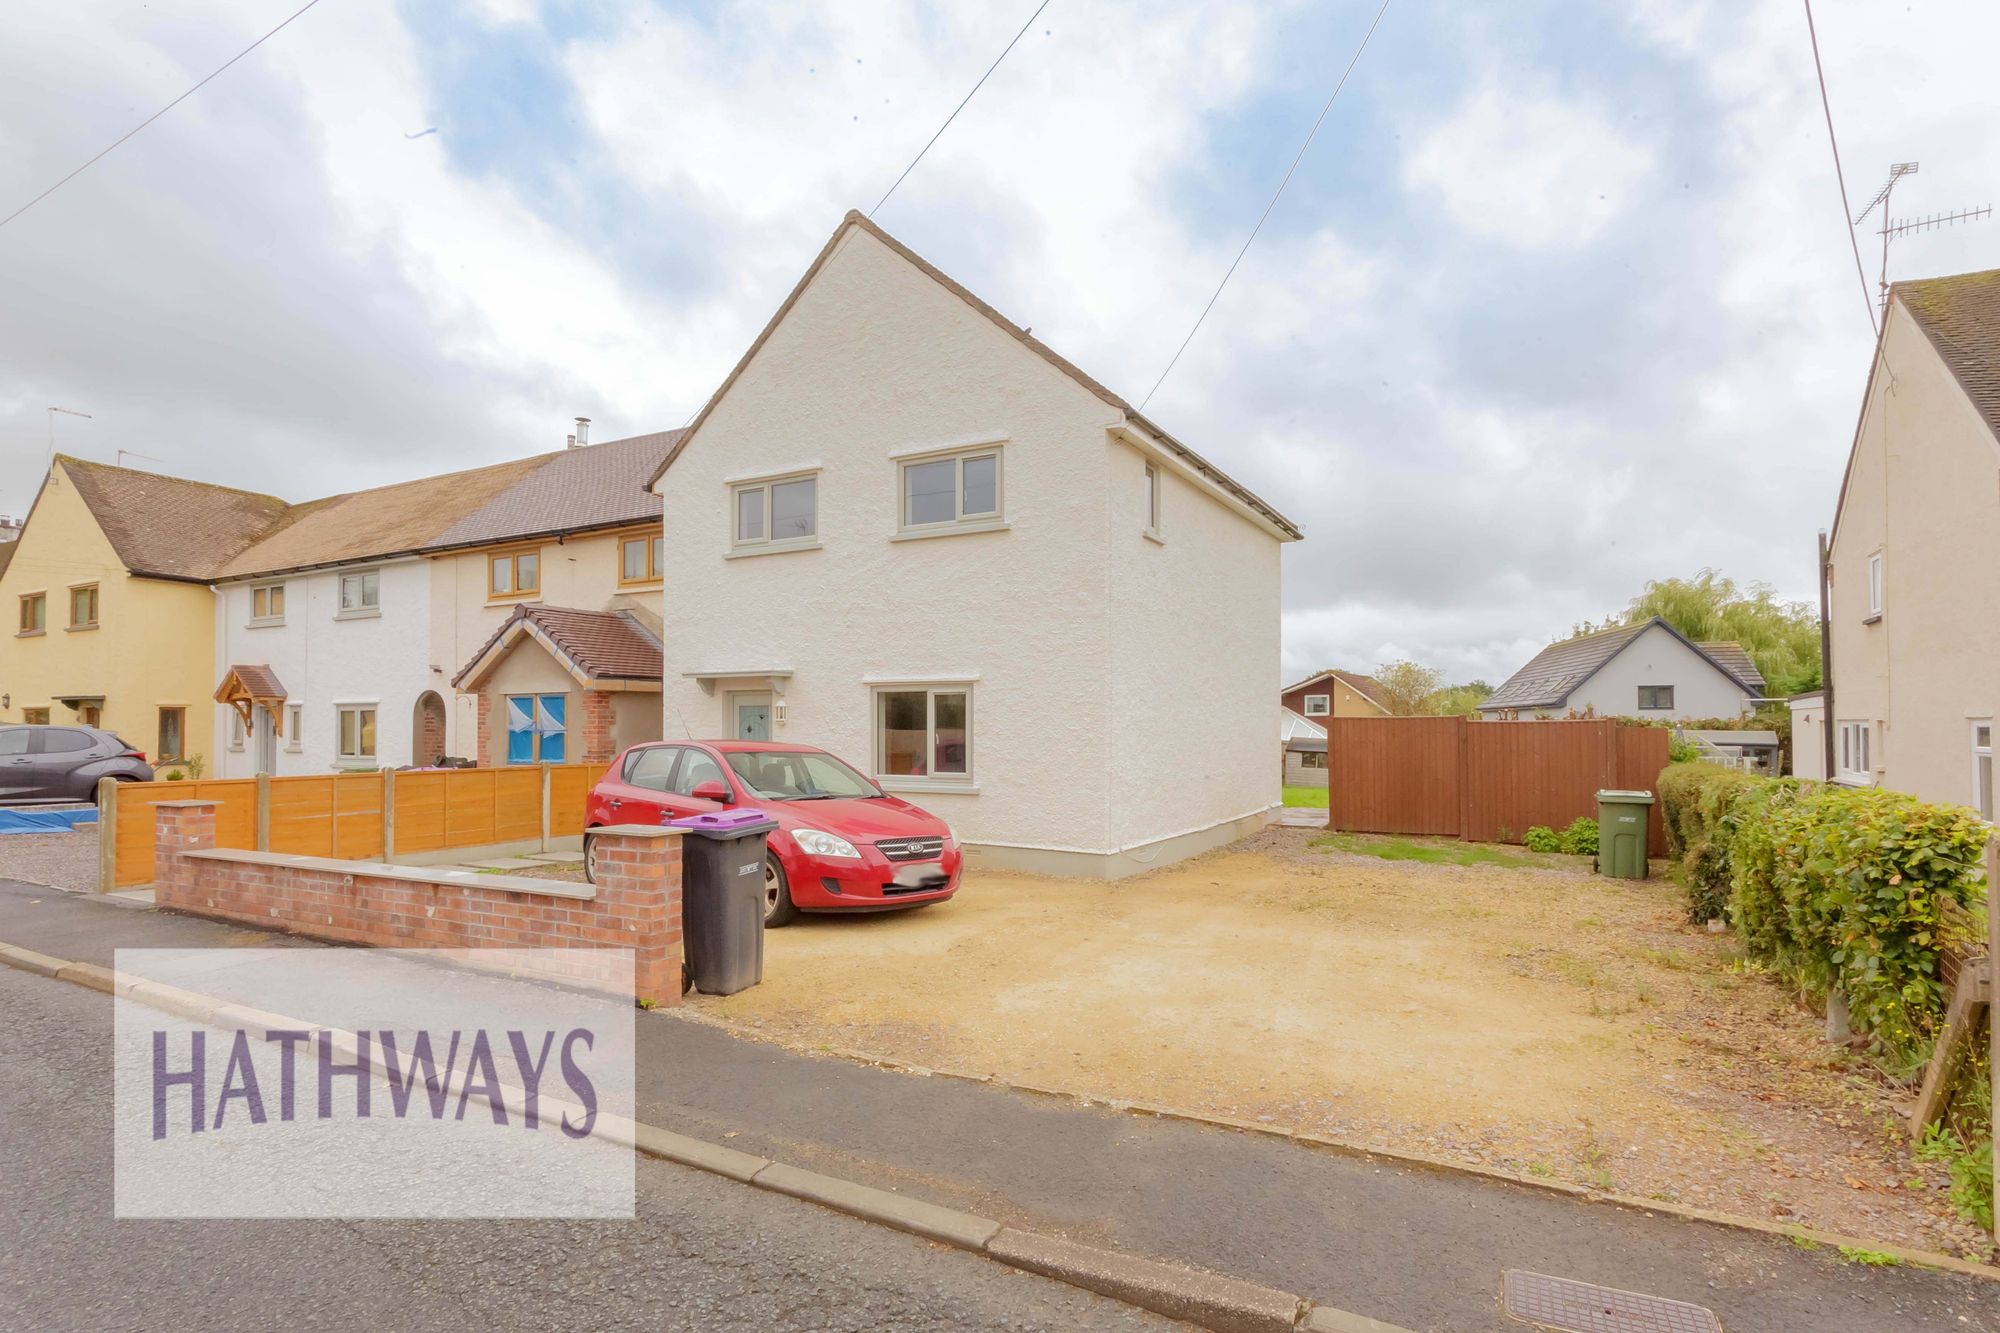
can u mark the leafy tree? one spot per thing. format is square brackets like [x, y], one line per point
[1457, 700]
[1404, 687]
[1781, 637]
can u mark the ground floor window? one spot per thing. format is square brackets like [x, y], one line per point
[236, 730]
[923, 732]
[536, 731]
[1312, 759]
[89, 715]
[1855, 741]
[1982, 767]
[295, 726]
[35, 717]
[173, 733]
[357, 731]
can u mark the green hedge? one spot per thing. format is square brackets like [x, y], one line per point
[1839, 887]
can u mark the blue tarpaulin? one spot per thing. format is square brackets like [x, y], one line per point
[45, 821]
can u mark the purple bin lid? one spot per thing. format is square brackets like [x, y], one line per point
[719, 819]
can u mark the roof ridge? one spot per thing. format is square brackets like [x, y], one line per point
[92, 465]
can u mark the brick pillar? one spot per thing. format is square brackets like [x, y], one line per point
[483, 731]
[179, 826]
[639, 883]
[597, 746]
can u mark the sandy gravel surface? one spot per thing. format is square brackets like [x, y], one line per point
[1540, 1019]
[61, 860]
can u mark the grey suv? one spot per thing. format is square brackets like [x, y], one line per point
[64, 763]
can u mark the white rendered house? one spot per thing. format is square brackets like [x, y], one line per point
[908, 532]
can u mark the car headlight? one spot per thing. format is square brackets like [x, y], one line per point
[950, 839]
[814, 842]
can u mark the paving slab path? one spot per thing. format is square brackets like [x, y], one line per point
[1419, 1248]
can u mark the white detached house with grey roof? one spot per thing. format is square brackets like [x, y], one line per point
[1649, 670]
[910, 533]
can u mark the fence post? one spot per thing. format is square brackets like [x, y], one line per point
[107, 835]
[263, 812]
[546, 784]
[388, 814]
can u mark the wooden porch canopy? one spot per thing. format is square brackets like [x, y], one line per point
[247, 688]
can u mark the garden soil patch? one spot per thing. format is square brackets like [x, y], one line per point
[1543, 1020]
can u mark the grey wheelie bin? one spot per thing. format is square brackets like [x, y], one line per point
[722, 898]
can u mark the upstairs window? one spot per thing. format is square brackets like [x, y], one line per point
[1875, 585]
[83, 606]
[35, 613]
[267, 604]
[776, 514]
[1153, 499]
[1982, 767]
[1656, 698]
[514, 574]
[1318, 705]
[642, 558]
[961, 489]
[361, 593]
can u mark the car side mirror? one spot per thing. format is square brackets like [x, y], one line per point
[711, 790]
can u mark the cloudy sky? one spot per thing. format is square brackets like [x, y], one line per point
[1560, 301]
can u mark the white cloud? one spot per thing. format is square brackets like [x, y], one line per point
[1522, 165]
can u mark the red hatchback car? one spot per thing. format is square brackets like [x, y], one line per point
[842, 844]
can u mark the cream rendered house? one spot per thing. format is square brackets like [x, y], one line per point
[1914, 597]
[907, 531]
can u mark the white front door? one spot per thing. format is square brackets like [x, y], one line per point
[267, 741]
[750, 716]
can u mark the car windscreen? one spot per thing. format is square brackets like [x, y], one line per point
[799, 775]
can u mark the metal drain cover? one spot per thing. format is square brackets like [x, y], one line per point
[1579, 1307]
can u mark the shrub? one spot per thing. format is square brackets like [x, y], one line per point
[1696, 808]
[1542, 838]
[1580, 838]
[172, 775]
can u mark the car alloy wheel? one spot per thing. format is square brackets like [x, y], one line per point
[590, 860]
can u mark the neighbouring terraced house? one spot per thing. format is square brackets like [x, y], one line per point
[908, 531]
[1911, 697]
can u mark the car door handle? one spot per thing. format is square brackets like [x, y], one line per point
[614, 802]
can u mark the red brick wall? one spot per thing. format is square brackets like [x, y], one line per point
[430, 729]
[637, 903]
[482, 740]
[597, 747]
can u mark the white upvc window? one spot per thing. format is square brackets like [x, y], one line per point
[361, 593]
[1874, 585]
[356, 732]
[1319, 705]
[267, 604]
[1854, 763]
[295, 726]
[236, 731]
[950, 491]
[1153, 484]
[923, 733]
[1982, 766]
[778, 513]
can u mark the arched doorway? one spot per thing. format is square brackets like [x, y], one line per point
[427, 729]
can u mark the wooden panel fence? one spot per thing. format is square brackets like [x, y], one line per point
[379, 816]
[1484, 781]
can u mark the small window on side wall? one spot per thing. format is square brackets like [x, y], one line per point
[1153, 498]
[35, 613]
[1875, 585]
[1318, 705]
[961, 489]
[1656, 698]
[1855, 761]
[295, 726]
[1982, 767]
[775, 515]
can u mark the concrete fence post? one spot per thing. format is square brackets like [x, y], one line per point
[107, 835]
[388, 814]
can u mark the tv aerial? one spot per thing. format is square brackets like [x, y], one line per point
[1896, 228]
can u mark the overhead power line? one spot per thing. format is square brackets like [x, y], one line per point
[961, 106]
[1846, 210]
[1296, 159]
[155, 116]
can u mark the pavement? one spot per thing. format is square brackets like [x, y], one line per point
[704, 1253]
[1417, 1247]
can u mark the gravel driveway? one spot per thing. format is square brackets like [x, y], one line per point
[59, 860]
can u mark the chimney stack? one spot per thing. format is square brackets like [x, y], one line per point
[582, 431]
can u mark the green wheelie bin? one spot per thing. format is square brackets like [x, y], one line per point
[1621, 833]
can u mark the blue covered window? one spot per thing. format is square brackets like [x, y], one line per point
[535, 728]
